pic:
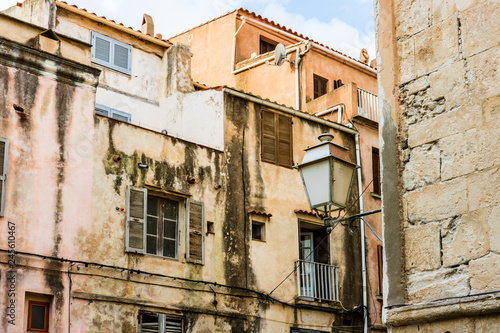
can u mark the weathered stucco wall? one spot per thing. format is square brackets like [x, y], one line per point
[46, 113]
[445, 129]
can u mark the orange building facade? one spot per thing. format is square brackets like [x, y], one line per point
[237, 50]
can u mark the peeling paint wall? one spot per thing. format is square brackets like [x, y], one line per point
[47, 186]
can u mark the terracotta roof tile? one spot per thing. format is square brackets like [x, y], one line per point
[307, 212]
[256, 212]
[112, 21]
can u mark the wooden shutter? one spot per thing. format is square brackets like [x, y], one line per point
[103, 110]
[4, 155]
[284, 140]
[269, 136]
[135, 238]
[376, 170]
[173, 325]
[111, 53]
[380, 269]
[102, 49]
[195, 232]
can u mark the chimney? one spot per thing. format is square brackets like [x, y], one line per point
[178, 69]
[148, 27]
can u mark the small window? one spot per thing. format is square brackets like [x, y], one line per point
[380, 268]
[258, 231]
[376, 171]
[4, 155]
[267, 46]
[111, 53]
[113, 113]
[337, 84]
[38, 316]
[320, 85]
[210, 227]
[276, 138]
[159, 323]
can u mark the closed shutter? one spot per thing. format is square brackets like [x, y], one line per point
[173, 325]
[102, 49]
[111, 53]
[268, 136]
[135, 238]
[284, 140]
[102, 110]
[4, 155]
[195, 232]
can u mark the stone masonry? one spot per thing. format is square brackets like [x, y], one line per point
[442, 60]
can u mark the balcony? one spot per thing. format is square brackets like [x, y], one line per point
[317, 281]
[367, 105]
[355, 102]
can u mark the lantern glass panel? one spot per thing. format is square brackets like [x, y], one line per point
[316, 177]
[342, 175]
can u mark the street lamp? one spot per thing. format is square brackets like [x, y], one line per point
[327, 173]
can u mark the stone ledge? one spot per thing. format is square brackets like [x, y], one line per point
[439, 310]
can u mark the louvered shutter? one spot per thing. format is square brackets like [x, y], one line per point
[284, 140]
[135, 238]
[173, 325]
[4, 155]
[268, 136]
[195, 232]
[102, 49]
[102, 110]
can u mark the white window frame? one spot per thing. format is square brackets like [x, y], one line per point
[110, 112]
[110, 63]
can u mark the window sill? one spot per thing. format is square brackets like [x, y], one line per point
[153, 256]
[375, 195]
[259, 240]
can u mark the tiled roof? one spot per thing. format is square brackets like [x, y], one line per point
[113, 22]
[307, 212]
[275, 25]
[256, 212]
[290, 31]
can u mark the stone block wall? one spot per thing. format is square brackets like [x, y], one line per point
[445, 108]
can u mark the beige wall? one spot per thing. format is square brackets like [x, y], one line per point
[440, 121]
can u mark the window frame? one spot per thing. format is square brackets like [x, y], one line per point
[46, 305]
[162, 321]
[160, 229]
[262, 227]
[324, 85]
[276, 137]
[110, 112]
[377, 185]
[263, 41]
[110, 64]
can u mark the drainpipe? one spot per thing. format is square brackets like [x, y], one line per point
[297, 81]
[234, 45]
[332, 109]
[362, 227]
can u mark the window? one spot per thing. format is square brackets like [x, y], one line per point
[4, 154]
[319, 86]
[276, 138]
[38, 316]
[162, 227]
[376, 171]
[258, 231]
[111, 53]
[159, 323]
[153, 225]
[337, 84]
[113, 113]
[380, 269]
[266, 46]
[303, 330]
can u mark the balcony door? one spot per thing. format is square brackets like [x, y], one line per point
[307, 279]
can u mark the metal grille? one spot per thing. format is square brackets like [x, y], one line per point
[317, 281]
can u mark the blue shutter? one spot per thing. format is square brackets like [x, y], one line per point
[111, 53]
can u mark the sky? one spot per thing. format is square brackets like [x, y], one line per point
[344, 25]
